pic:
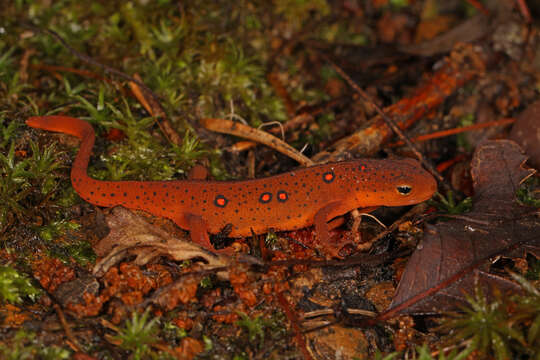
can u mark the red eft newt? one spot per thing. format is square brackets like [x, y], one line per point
[288, 201]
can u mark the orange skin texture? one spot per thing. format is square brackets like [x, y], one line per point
[288, 201]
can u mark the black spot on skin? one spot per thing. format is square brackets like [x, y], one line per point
[91, 193]
[167, 194]
[103, 195]
[112, 194]
[125, 194]
[236, 211]
[154, 193]
[137, 197]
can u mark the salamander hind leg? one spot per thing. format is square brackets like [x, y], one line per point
[198, 230]
[322, 228]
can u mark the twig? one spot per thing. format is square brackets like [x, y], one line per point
[67, 329]
[391, 123]
[293, 320]
[449, 132]
[247, 132]
[466, 218]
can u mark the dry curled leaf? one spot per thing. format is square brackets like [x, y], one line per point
[452, 257]
[132, 235]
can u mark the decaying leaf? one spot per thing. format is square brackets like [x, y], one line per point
[469, 31]
[132, 235]
[526, 132]
[454, 254]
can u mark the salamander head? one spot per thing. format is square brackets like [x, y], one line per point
[406, 183]
[389, 182]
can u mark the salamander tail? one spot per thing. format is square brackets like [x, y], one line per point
[78, 128]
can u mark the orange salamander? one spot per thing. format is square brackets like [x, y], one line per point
[288, 201]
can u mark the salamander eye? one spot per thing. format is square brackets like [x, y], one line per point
[404, 189]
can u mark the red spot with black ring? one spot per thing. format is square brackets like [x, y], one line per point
[265, 197]
[328, 177]
[282, 196]
[220, 201]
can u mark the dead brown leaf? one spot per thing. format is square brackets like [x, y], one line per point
[452, 258]
[526, 132]
[132, 235]
[469, 31]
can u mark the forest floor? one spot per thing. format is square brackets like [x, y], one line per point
[249, 90]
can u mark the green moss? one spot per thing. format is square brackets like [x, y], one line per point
[137, 334]
[69, 249]
[527, 192]
[462, 141]
[506, 328]
[451, 205]
[23, 346]
[257, 333]
[298, 11]
[533, 271]
[14, 286]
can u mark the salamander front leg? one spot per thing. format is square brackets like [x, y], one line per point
[198, 172]
[323, 230]
[198, 230]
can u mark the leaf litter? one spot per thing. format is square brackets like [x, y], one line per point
[455, 255]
